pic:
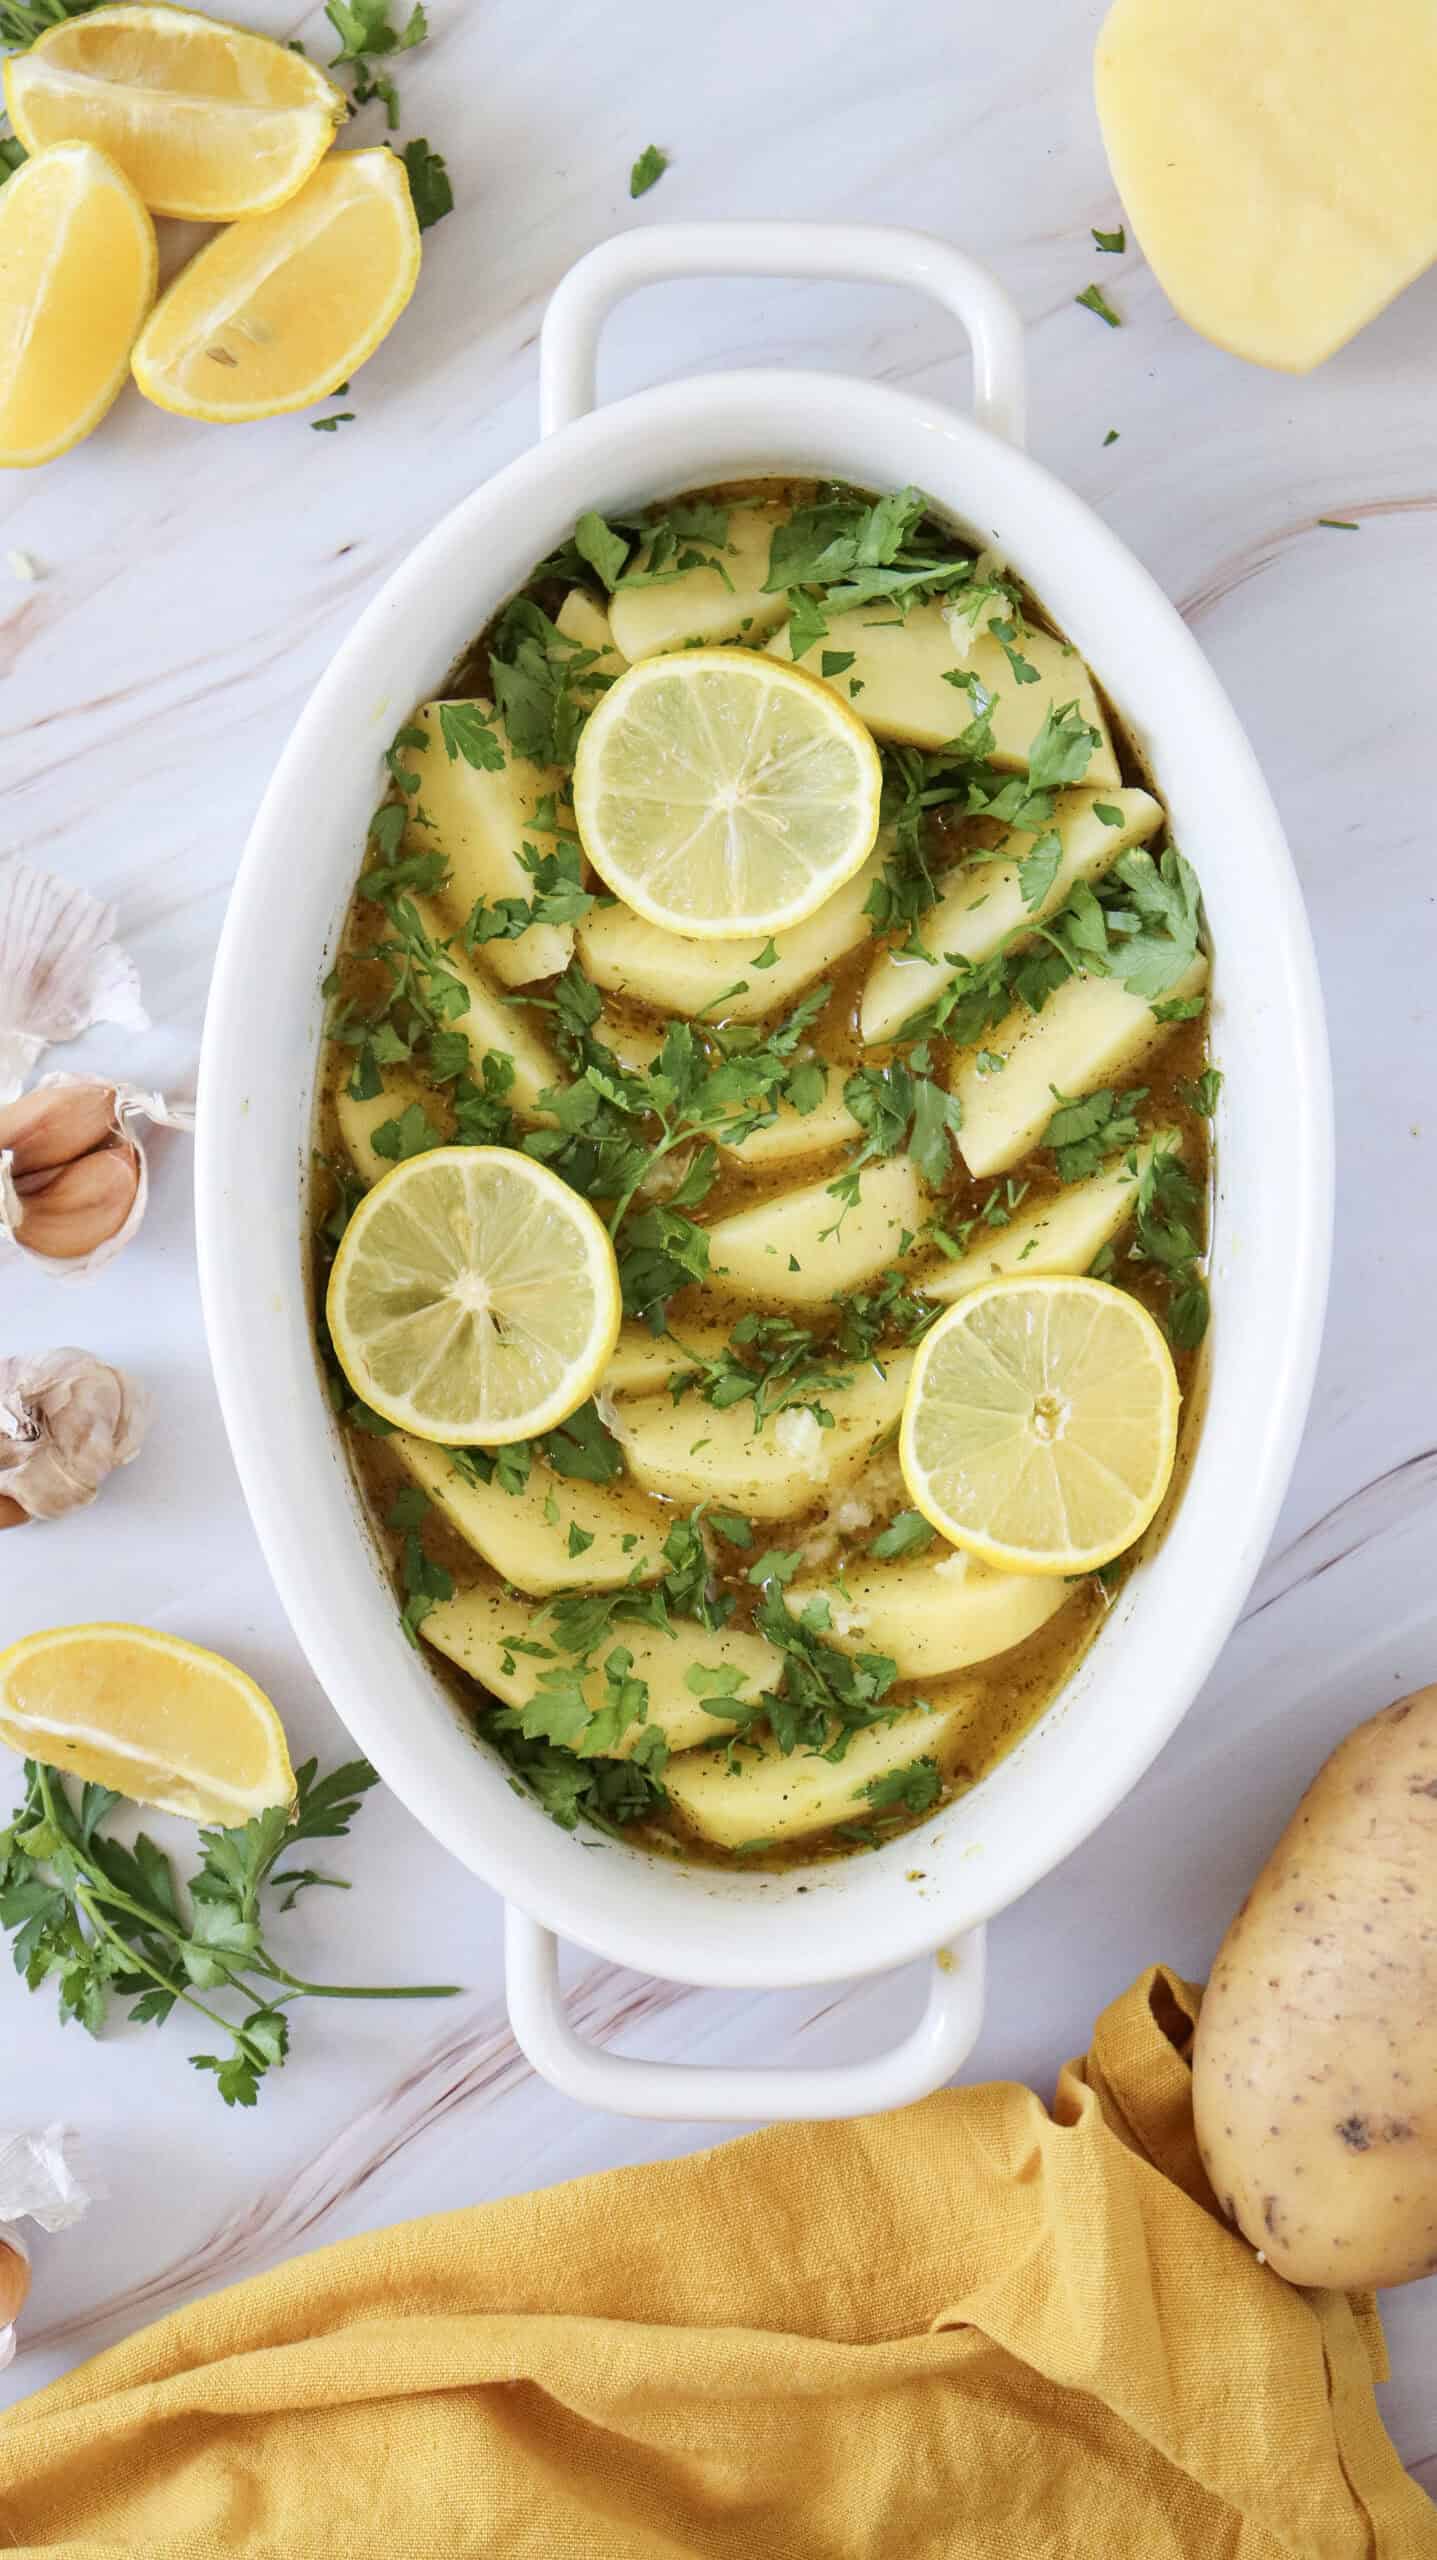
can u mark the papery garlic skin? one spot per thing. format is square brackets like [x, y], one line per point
[61, 969]
[74, 1181]
[66, 1421]
[38, 2183]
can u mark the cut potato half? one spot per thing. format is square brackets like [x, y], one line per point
[481, 1628]
[984, 905]
[480, 821]
[1061, 1231]
[690, 1453]
[901, 671]
[709, 604]
[802, 1248]
[1090, 1031]
[625, 954]
[581, 619]
[932, 1613]
[525, 1535]
[766, 1795]
[495, 1023]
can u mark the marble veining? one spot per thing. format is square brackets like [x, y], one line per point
[194, 583]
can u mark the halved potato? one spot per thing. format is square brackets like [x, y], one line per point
[931, 1613]
[1062, 1231]
[802, 1248]
[1090, 1031]
[525, 1535]
[580, 618]
[689, 1453]
[480, 821]
[984, 905]
[492, 1023]
[767, 1796]
[705, 604]
[359, 1120]
[902, 669]
[630, 957]
[479, 1628]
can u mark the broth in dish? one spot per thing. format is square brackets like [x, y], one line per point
[705, 1608]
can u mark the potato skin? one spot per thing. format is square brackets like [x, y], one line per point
[1315, 2060]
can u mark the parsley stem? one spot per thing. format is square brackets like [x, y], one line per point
[132, 1955]
[357, 1990]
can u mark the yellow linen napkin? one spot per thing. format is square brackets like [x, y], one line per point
[974, 2328]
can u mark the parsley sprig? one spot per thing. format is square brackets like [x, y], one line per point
[105, 1922]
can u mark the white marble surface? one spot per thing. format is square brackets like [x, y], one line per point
[195, 582]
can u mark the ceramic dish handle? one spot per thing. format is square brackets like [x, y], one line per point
[840, 252]
[734, 2093]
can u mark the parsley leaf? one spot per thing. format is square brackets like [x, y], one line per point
[912, 1789]
[1083, 1133]
[467, 730]
[647, 169]
[908, 1535]
[1093, 298]
[1115, 242]
[429, 184]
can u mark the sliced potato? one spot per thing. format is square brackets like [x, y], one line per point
[644, 1361]
[480, 820]
[689, 1453]
[1089, 1031]
[985, 903]
[902, 668]
[794, 1134]
[479, 1627]
[802, 1248]
[580, 618]
[931, 1613]
[525, 1535]
[629, 956]
[1063, 1231]
[359, 1120]
[769, 1796]
[705, 604]
[492, 1023]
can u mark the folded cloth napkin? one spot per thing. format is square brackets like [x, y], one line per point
[973, 2328]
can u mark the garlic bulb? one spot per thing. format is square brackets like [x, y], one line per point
[73, 1178]
[60, 969]
[66, 1419]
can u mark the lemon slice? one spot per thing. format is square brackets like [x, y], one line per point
[77, 276]
[204, 119]
[720, 792]
[474, 1297]
[1040, 1424]
[158, 1719]
[276, 311]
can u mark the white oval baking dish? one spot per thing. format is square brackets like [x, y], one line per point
[1271, 1231]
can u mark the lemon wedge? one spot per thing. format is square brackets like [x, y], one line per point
[204, 119]
[276, 311]
[719, 791]
[77, 276]
[474, 1297]
[159, 1720]
[1040, 1424]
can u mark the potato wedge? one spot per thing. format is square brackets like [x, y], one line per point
[802, 1248]
[689, 1453]
[770, 1796]
[359, 1120]
[478, 1628]
[517, 1535]
[581, 618]
[792, 1135]
[903, 667]
[1090, 1031]
[643, 1362]
[932, 1613]
[985, 904]
[1061, 1231]
[494, 1023]
[480, 820]
[630, 957]
[704, 604]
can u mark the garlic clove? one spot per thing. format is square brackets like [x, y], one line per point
[14, 2282]
[49, 1207]
[55, 1123]
[75, 1208]
[11, 1513]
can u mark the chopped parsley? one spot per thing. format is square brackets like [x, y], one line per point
[647, 169]
[1114, 242]
[1093, 298]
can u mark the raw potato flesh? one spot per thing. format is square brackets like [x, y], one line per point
[645, 621]
[512, 1531]
[903, 669]
[794, 1134]
[580, 618]
[754, 1251]
[644, 1361]
[1090, 1031]
[478, 1627]
[933, 1613]
[479, 821]
[626, 954]
[1315, 2064]
[985, 903]
[359, 1120]
[689, 1453]
[491, 1023]
[1063, 1231]
[1276, 162]
[767, 1795]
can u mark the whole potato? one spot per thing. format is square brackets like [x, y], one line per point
[1315, 2061]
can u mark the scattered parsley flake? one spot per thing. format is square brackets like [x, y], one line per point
[647, 169]
[1114, 242]
[1093, 298]
[429, 186]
